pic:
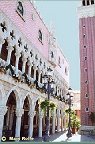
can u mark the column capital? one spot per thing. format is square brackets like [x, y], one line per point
[29, 63]
[9, 40]
[24, 59]
[62, 114]
[41, 114]
[2, 40]
[32, 113]
[54, 113]
[9, 48]
[58, 113]
[19, 112]
[39, 70]
[17, 54]
[34, 66]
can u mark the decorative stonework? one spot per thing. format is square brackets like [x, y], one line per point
[19, 112]
[41, 114]
[32, 113]
[86, 11]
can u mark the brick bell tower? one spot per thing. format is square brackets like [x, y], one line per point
[86, 13]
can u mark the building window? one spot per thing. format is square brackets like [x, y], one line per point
[40, 62]
[20, 8]
[36, 57]
[33, 16]
[87, 109]
[83, 35]
[52, 54]
[31, 53]
[86, 95]
[85, 69]
[40, 35]
[85, 58]
[44, 65]
[86, 82]
[66, 71]
[59, 61]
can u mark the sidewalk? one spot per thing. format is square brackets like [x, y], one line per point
[61, 137]
[75, 138]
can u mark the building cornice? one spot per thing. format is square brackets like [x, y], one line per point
[86, 11]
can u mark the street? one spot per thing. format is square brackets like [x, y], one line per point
[61, 137]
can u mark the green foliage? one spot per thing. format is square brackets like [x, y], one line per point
[69, 111]
[46, 103]
[75, 122]
[52, 106]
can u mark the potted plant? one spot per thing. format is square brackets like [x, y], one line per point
[73, 123]
[73, 119]
[77, 125]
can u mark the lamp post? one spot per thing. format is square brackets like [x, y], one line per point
[69, 133]
[48, 83]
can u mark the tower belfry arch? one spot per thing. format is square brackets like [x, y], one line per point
[88, 2]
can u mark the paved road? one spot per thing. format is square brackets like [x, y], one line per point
[75, 138]
[61, 137]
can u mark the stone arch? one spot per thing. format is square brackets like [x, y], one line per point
[28, 94]
[16, 91]
[9, 123]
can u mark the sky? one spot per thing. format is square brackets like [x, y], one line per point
[63, 15]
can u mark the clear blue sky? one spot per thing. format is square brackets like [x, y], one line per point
[63, 14]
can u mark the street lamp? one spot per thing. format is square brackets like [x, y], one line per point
[69, 102]
[48, 86]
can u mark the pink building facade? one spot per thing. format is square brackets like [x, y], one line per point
[87, 61]
[27, 50]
